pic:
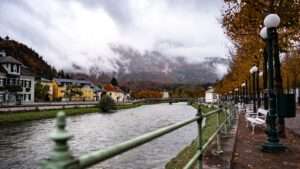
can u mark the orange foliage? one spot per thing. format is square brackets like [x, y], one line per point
[147, 94]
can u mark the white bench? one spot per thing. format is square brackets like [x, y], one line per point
[249, 111]
[257, 119]
[241, 107]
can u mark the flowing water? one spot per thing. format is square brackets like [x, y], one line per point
[24, 145]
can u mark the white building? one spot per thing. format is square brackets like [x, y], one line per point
[211, 96]
[165, 95]
[16, 82]
[115, 93]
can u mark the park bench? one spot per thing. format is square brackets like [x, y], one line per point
[241, 107]
[248, 109]
[257, 118]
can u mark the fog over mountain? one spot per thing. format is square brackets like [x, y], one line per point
[154, 66]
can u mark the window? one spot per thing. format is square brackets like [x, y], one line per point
[1, 82]
[13, 82]
[18, 68]
[21, 97]
[29, 96]
[1, 98]
[11, 68]
[29, 84]
[15, 68]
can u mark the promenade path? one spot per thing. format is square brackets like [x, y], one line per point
[248, 154]
[294, 123]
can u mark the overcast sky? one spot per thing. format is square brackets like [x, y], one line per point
[80, 31]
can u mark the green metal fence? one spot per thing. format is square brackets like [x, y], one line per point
[61, 157]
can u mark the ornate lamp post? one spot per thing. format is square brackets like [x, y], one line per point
[272, 145]
[264, 36]
[230, 95]
[243, 85]
[253, 72]
[260, 74]
[236, 95]
[246, 92]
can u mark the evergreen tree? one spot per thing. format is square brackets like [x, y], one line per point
[114, 82]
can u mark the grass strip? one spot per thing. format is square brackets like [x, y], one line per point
[188, 152]
[14, 117]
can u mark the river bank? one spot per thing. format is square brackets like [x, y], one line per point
[14, 117]
[187, 153]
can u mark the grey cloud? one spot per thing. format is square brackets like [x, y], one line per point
[204, 5]
[117, 9]
[79, 32]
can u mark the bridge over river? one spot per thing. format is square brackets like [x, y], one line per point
[23, 145]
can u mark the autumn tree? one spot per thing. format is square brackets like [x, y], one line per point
[147, 94]
[41, 92]
[242, 22]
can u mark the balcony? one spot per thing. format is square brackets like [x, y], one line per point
[11, 88]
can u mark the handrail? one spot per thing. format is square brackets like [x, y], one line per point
[101, 155]
[198, 153]
[211, 113]
[61, 157]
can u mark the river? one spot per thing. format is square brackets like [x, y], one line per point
[24, 145]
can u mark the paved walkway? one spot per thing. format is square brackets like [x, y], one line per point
[248, 154]
[294, 123]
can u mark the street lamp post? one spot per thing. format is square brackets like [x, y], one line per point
[243, 92]
[260, 74]
[264, 36]
[253, 72]
[246, 92]
[236, 90]
[230, 94]
[272, 144]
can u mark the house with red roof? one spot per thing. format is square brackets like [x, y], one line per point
[115, 92]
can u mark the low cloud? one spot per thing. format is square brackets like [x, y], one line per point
[75, 32]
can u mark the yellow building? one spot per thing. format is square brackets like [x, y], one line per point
[50, 84]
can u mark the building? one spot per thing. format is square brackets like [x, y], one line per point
[115, 93]
[97, 92]
[50, 84]
[165, 95]
[16, 81]
[75, 90]
[211, 96]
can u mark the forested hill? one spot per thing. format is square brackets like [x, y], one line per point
[28, 57]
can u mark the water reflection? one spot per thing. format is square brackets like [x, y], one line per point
[22, 146]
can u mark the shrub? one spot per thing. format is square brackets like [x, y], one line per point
[190, 102]
[107, 104]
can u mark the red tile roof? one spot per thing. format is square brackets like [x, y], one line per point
[111, 88]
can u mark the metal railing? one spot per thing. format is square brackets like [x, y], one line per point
[61, 157]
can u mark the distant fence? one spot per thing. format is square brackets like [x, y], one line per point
[62, 158]
[62, 105]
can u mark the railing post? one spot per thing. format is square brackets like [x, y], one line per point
[226, 122]
[233, 111]
[219, 148]
[60, 157]
[229, 116]
[199, 144]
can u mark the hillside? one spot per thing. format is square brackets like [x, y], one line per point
[28, 57]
